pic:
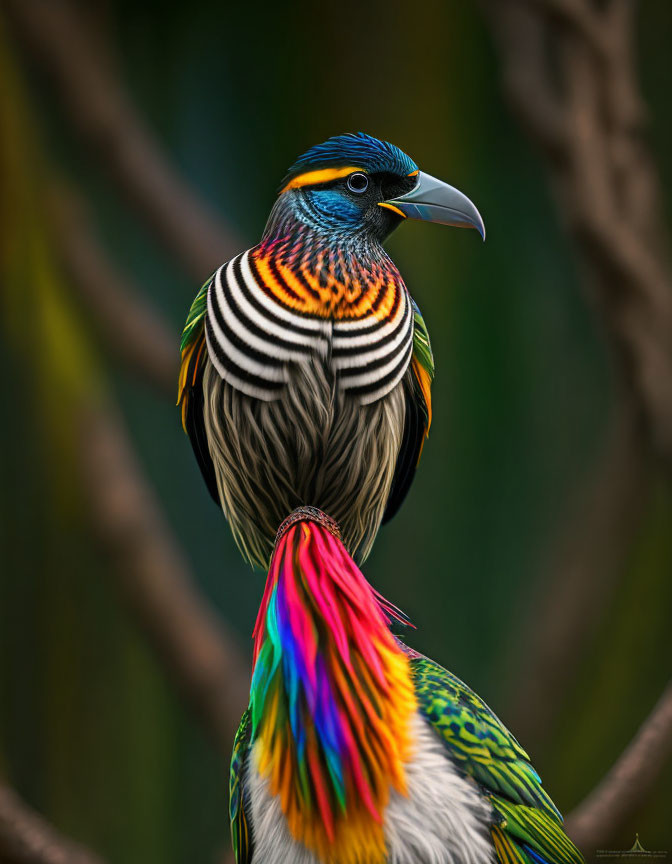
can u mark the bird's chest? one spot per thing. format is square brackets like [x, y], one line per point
[260, 321]
[443, 818]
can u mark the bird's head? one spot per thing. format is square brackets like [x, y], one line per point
[356, 187]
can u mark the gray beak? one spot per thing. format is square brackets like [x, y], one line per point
[433, 200]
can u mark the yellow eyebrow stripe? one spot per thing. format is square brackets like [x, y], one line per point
[413, 173]
[323, 175]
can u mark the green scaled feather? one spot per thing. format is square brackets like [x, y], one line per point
[194, 322]
[483, 748]
[240, 833]
[529, 827]
[422, 347]
[477, 740]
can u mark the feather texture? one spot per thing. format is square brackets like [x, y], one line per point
[362, 751]
[318, 299]
[442, 819]
[314, 446]
[241, 834]
[358, 150]
[527, 826]
[418, 416]
[331, 698]
[325, 440]
[293, 297]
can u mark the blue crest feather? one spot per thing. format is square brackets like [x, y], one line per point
[354, 148]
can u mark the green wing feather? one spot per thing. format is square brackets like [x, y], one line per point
[423, 364]
[532, 832]
[422, 347]
[241, 839]
[194, 323]
[190, 389]
[527, 823]
[191, 349]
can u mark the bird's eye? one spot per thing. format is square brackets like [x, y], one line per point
[358, 183]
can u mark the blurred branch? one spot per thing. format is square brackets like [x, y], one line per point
[577, 14]
[629, 782]
[590, 556]
[569, 75]
[57, 38]
[197, 652]
[200, 656]
[131, 328]
[26, 838]
[531, 96]
[602, 172]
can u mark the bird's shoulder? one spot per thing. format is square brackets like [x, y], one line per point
[194, 354]
[192, 343]
[418, 416]
[422, 347]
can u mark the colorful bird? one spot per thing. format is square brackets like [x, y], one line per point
[355, 749]
[306, 383]
[306, 365]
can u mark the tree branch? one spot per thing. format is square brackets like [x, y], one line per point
[103, 116]
[577, 14]
[526, 78]
[197, 652]
[590, 557]
[607, 190]
[154, 577]
[26, 838]
[603, 175]
[199, 655]
[628, 783]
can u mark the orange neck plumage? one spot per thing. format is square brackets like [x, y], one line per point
[314, 278]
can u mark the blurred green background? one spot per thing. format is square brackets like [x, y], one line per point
[91, 731]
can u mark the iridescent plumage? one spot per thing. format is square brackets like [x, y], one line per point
[331, 697]
[341, 711]
[355, 150]
[306, 380]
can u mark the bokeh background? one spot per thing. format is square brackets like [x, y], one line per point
[534, 552]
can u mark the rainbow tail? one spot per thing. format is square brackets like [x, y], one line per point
[321, 550]
[331, 694]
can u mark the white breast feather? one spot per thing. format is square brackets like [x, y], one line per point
[444, 819]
